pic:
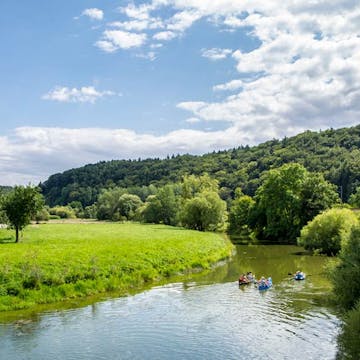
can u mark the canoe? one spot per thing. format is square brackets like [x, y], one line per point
[265, 286]
[244, 282]
[300, 276]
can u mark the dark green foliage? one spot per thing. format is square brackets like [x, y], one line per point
[20, 206]
[205, 212]
[161, 208]
[354, 199]
[240, 212]
[345, 276]
[335, 153]
[115, 204]
[349, 338]
[288, 198]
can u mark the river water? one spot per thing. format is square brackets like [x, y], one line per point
[204, 317]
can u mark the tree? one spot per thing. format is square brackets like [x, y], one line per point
[192, 185]
[128, 204]
[108, 204]
[345, 274]
[205, 212]
[150, 212]
[346, 287]
[348, 340]
[239, 217]
[329, 231]
[20, 206]
[288, 198]
[354, 199]
[162, 208]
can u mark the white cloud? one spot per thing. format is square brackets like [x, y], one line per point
[216, 53]
[193, 120]
[93, 13]
[141, 12]
[229, 86]
[183, 20]
[165, 35]
[31, 154]
[117, 39]
[151, 55]
[303, 73]
[74, 95]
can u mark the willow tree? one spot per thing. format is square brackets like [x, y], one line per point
[20, 206]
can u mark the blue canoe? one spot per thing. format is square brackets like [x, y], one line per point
[299, 276]
[266, 286]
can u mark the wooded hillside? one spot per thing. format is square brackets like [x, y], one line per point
[335, 153]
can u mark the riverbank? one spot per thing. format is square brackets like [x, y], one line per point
[57, 262]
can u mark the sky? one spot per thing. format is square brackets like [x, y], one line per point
[85, 81]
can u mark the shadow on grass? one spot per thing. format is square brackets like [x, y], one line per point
[7, 240]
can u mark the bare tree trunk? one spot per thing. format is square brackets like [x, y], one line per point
[17, 234]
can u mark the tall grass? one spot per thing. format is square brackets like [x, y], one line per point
[54, 262]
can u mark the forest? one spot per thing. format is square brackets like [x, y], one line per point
[333, 153]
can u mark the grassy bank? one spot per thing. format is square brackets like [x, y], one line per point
[55, 262]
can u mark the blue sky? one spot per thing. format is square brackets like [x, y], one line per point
[84, 81]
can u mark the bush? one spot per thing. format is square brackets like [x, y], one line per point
[64, 212]
[345, 276]
[328, 231]
[349, 337]
[42, 215]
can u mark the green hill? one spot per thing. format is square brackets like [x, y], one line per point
[335, 153]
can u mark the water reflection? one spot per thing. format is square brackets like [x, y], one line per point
[208, 316]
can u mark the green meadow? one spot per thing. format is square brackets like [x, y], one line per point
[56, 262]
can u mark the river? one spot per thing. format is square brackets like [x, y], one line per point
[206, 316]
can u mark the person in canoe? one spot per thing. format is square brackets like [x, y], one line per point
[250, 277]
[243, 280]
[299, 275]
[264, 284]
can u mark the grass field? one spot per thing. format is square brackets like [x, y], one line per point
[55, 262]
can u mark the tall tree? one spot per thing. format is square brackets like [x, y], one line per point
[20, 206]
[288, 198]
[163, 207]
[240, 210]
[205, 212]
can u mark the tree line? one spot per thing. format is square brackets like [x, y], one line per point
[333, 153]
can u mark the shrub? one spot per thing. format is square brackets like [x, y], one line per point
[348, 340]
[345, 276]
[328, 231]
[64, 212]
[42, 215]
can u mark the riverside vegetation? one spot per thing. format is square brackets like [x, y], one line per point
[54, 262]
[269, 192]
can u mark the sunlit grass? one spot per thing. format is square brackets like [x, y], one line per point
[54, 262]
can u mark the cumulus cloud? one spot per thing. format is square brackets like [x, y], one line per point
[216, 53]
[93, 13]
[303, 74]
[193, 120]
[34, 153]
[229, 86]
[164, 35]
[117, 39]
[74, 95]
